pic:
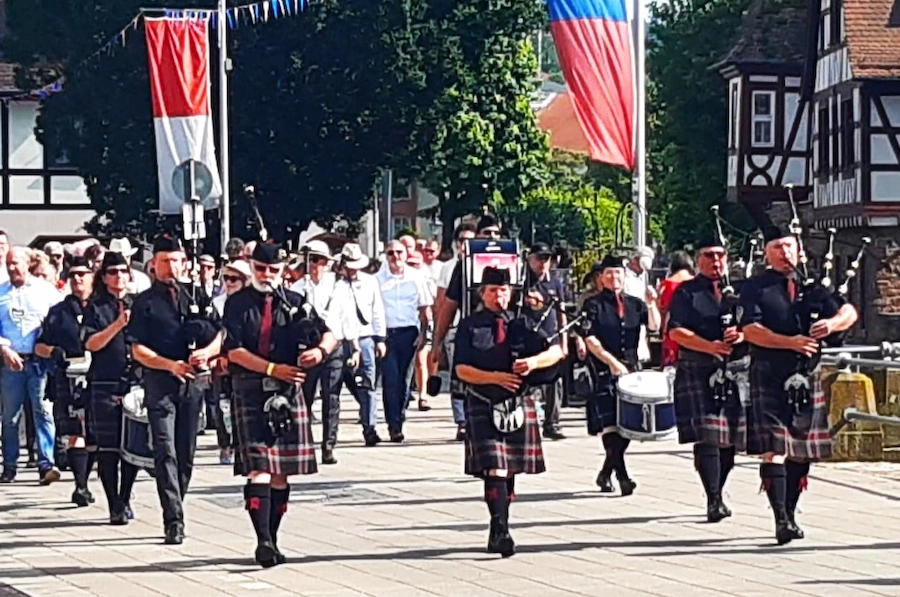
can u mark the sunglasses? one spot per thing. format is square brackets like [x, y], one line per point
[491, 233]
[316, 259]
[232, 279]
[261, 268]
[79, 273]
[115, 271]
[394, 253]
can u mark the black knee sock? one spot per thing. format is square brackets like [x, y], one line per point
[258, 502]
[795, 480]
[773, 480]
[609, 446]
[497, 499]
[78, 462]
[706, 461]
[109, 476]
[126, 483]
[280, 498]
[726, 463]
[511, 488]
[621, 446]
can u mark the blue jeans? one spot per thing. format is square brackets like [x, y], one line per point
[457, 401]
[368, 407]
[401, 348]
[17, 388]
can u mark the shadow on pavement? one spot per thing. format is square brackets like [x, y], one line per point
[467, 527]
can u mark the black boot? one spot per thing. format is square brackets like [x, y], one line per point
[706, 462]
[626, 484]
[78, 462]
[108, 463]
[129, 473]
[604, 477]
[796, 474]
[773, 479]
[280, 499]
[258, 501]
[726, 464]
[497, 498]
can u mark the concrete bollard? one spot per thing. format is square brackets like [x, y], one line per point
[858, 441]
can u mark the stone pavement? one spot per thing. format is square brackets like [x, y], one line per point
[402, 520]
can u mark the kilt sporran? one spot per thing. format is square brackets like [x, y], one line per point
[707, 411]
[489, 448]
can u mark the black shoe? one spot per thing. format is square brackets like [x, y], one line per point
[280, 558]
[8, 476]
[82, 498]
[372, 439]
[266, 554]
[90, 496]
[553, 434]
[626, 486]
[604, 482]
[796, 531]
[49, 475]
[784, 534]
[175, 534]
[397, 437]
[716, 511]
[501, 542]
[118, 517]
[461, 432]
[328, 456]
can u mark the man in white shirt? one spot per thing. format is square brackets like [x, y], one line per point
[318, 288]
[637, 284]
[358, 299]
[407, 308]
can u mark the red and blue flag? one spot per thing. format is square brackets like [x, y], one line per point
[595, 43]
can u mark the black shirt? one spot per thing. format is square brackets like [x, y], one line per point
[552, 291]
[695, 307]
[243, 324]
[619, 336]
[454, 290]
[62, 327]
[765, 300]
[110, 363]
[156, 321]
[476, 345]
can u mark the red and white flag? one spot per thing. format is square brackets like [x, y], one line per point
[178, 52]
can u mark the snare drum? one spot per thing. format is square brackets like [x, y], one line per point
[646, 409]
[137, 443]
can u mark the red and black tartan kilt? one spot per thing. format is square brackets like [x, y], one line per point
[698, 417]
[293, 453]
[104, 415]
[773, 425]
[488, 449]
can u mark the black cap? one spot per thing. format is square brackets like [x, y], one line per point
[708, 241]
[495, 276]
[611, 261]
[774, 232]
[83, 262]
[266, 253]
[541, 249]
[111, 259]
[165, 243]
[487, 221]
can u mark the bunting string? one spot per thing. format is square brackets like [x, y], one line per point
[237, 16]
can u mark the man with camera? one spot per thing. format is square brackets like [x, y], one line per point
[273, 337]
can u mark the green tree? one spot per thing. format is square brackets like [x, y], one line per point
[688, 111]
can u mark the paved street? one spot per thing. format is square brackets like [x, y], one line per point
[402, 520]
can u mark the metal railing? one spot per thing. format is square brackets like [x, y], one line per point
[853, 415]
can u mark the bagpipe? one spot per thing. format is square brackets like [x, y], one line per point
[811, 298]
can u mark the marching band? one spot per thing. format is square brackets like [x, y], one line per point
[745, 379]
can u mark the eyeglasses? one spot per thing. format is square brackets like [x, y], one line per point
[316, 259]
[492, 233]
[117, 271]
[394, 253]
[262, 268]
[79, 273]
[232, 279]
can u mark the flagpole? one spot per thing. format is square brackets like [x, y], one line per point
[639, 181]
[223, 123]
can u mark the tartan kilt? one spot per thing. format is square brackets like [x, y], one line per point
[104, 416]
[67, 423]
[772, 425]
[293, 453]
[698, 418]
[601, 406]
[488, 449]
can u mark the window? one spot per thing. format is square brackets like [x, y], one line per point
[848, 133]
[837, 21]
[823, 140]
[824, 30]
[763, 119]
[401, 224]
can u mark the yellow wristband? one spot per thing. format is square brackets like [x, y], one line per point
[270, 368]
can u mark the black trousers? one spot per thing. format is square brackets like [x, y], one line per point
[329, 373]
[174, 414]
[552, 393]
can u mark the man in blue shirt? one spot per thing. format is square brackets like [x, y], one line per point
[24, 303]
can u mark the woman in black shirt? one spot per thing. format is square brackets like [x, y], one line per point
[612, 344]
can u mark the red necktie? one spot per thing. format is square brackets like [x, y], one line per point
[174, 294]
[265, 328]
[500, 331]
[121, 307]
[791, 289]
[620, 306]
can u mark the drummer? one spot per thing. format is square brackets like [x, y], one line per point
[484, 364]
[708, 416]
[105, 321]
[612, 343]
[60, 341]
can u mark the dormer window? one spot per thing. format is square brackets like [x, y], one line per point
[763, 119]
